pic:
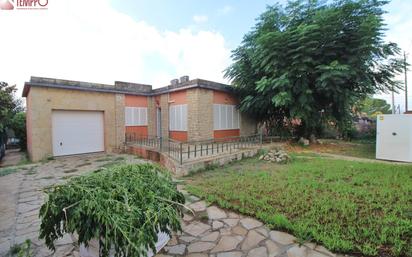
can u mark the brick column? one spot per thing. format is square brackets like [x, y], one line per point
[200, 114]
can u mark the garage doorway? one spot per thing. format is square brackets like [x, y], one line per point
[77, 132]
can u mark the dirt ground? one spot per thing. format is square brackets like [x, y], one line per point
[12, 157]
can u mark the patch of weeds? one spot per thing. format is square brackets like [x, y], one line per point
[31, 171]
[70, 171]
[203, 216]
[8, 170]
[68, 177]
[138, 157]
[120, 158]
[105, 159]
[208, 167]
[47, 177]
[83, 164]
[24, 161]
[262, 151]
[111, 164]
[47, 159]
[21, 250]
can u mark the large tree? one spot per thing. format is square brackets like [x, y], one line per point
[311, 61]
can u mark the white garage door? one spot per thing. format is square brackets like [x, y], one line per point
[76, 132]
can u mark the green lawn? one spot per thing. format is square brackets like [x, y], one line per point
[353, 207]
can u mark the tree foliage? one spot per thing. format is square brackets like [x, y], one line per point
[371, 107]
[18, 124]
[8, 104]
[124, 207]
[311, 61]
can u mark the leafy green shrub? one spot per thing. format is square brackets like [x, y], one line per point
[124, 207]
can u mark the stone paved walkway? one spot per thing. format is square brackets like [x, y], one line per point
[213, 232]
[210, 232]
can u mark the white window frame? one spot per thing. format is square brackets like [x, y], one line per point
[178, 117]
[135, 116]
[225, 117]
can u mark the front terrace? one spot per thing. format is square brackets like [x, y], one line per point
[183, 157]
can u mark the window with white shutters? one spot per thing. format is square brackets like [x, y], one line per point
[178, 117]
[136, 116]
[225, 117]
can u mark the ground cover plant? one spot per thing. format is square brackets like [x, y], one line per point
[123, 206]
[352, 207]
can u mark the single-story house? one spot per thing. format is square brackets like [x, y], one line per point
[71, 117]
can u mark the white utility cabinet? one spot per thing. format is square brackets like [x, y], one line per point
[394, 137]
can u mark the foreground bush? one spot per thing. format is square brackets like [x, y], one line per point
[124, 207]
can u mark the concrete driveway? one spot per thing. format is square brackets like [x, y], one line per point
[21, 197]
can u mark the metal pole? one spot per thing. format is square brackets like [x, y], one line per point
[181, 154]
[406, 81]
[393, 101]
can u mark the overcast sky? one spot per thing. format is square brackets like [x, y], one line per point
[148, 42]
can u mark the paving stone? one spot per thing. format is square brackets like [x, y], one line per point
[227, 243]
[322, 249]
[199, 247]
[187, 239]
[311, 246]
[172, 241]
[193, 198]
[5, 247]
[196, 228]
[198, 206]
[187, 217]
[63, 250]
[197, 255]
[253, 238]
[233, 215]
[211, 237]
[27, 230]
[258, 252]
[282, 237]
[250, 223]
[20, 239]
[297, 251]
[273, 248]
[225, 231]
[312, 253]
[231, 222]
[29, 214]
[230, 254]
[263, 231]
[217, 225]
[215, 213]
[239, 230]
[177, 249]
[21, 226]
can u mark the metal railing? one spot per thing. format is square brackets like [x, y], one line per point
[191, 150]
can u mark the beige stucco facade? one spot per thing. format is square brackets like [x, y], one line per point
[41, 101]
